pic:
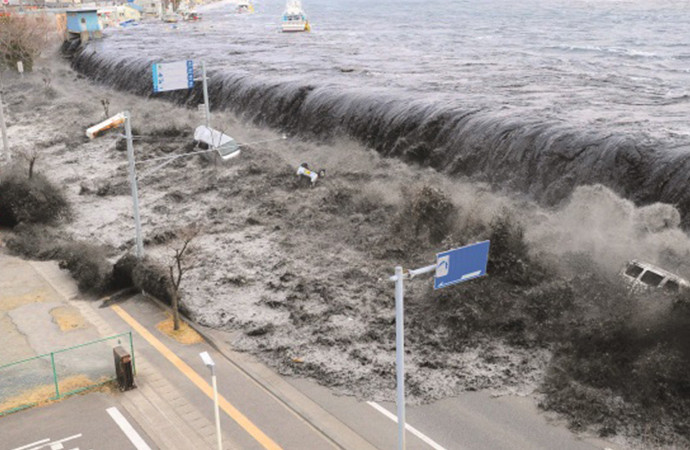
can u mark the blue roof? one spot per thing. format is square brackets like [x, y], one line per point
[137, 7]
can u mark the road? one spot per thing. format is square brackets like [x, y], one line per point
[94, 421]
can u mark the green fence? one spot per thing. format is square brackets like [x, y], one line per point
[60, 373]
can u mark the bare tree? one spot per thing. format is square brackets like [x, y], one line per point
[47, 77]
[178, 267]
[105, 103]
[30, 156]
[23, 38]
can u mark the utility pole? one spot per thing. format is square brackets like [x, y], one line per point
[3, 125]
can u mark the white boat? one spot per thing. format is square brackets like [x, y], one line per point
[294, 18]
[244, 7]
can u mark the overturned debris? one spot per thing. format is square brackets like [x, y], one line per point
[303, 172]
[226, 146]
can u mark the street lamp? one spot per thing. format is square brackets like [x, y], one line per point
[206, 358]
[226, 147]
[3, 126]
[118, 120]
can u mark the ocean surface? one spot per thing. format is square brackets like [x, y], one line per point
[535, 95]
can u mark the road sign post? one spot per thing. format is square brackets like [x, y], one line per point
[451, 267]
[400, 355]
[180, 75]
[207, 106]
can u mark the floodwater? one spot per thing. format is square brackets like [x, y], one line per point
[536, 96]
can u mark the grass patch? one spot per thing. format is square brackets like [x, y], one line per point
[8, 303]
[185, 335]
[68, 318]
[45, 394]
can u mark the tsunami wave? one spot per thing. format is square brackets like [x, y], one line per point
[544, 159]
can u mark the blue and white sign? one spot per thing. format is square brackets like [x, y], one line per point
[461, 264]
[173, 76]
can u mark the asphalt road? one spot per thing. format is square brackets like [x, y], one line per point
[80, 422]
[473, 421]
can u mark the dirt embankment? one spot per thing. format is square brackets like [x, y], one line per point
[299, 274]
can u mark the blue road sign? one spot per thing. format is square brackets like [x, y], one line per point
[173, 76]
[461, 264]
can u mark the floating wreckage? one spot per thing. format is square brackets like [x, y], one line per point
[226, 146]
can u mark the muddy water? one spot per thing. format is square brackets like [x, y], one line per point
[536, 96]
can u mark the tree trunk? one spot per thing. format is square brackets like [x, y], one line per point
[32, 161]
[176, 311]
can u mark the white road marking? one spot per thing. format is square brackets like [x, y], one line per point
[127, 428]
[45, 443]
[24, 447]
[408, 427]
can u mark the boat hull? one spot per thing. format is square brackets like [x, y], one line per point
[295, 27]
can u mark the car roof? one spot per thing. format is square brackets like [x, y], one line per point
[661, 271]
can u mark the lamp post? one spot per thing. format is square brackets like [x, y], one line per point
[5, 143]
[133, 183]
[206, 358]
[228, 151]
[118, 120]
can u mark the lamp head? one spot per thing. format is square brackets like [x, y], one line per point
[206, 358]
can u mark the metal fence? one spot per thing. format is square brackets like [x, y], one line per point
[60, 373]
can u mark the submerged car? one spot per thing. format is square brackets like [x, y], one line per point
[643, 275]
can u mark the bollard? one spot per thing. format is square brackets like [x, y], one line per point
[123, 369]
